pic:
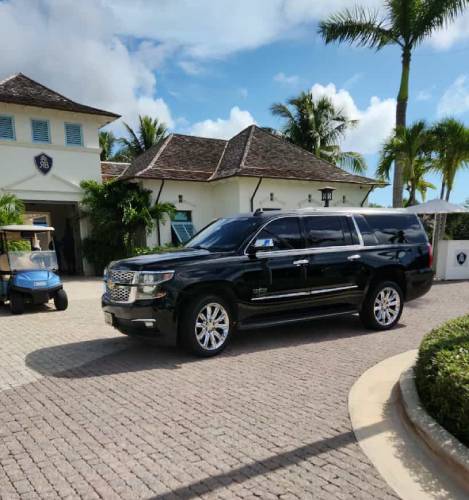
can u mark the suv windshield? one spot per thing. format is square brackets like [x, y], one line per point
[224, 235]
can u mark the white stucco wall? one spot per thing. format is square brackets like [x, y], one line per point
[210, 200]
[18, 172]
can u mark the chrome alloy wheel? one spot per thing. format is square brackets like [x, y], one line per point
[387, 306]
[212, 326]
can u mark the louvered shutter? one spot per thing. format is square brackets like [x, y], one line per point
[40, 130]
[73, 135]
[7, 129]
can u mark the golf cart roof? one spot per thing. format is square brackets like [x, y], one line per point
[26, 228]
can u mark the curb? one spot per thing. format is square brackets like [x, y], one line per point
[438, 439]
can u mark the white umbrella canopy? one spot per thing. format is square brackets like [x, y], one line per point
[435, 207]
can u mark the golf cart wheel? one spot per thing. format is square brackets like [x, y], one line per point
[17, 303]
[61, 300]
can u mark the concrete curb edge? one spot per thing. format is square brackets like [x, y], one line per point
[438, 439]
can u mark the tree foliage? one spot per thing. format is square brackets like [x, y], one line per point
[318, 126]
[11, 210]
[150, 131]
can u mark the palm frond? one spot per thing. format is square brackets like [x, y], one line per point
[352, 161]
[359, 26]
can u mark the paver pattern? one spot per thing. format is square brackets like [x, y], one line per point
[88, 413]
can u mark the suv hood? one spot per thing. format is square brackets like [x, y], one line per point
[160, 261]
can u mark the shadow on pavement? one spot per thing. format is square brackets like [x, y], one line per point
[121, 354]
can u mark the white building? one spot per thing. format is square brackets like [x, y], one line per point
[48, 145]
[210, 178]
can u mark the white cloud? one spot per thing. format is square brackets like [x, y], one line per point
[190, 67]
[375, 123]
[455, 32]
[224, 129]
[455, 100]
[286, 79]
[71, 47]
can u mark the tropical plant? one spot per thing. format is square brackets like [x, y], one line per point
[150, 131]
[11, 210]
[318, 126]
[406, 23]
[412, 145]
[107, 143]
[450, 143]
[119, 213]
[161, 212]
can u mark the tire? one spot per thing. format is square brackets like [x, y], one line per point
[383, 306]
[194, 333]
[61, 300]
[16, 303]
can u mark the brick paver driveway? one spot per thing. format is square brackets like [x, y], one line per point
[86, 412]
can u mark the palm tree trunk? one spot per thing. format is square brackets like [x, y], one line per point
[401, 112]
[158, 231]
[443, 187]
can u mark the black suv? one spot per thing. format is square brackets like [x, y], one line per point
[272, 268]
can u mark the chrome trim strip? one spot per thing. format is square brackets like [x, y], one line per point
[302, 294]
[309, 251]
[145, 320]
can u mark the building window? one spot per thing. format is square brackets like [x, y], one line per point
[182, 228]
[7, 128]
[40, 131]
[73, 134]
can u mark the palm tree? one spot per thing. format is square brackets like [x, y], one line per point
[11, 210]
[318, 126]
[412, 145]
[150, 132]
[159, 212]
[450, 143]
[406, 23]
[107, 142]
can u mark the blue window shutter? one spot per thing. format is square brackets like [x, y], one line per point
[73, 134]
[7, 128]
[183, 230]
[41, 131]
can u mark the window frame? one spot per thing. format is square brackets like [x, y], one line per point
[81, 135]
[12, 118]
[48, 131]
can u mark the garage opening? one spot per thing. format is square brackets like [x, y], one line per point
[64, 217]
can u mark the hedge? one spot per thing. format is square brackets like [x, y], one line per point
[442, 376]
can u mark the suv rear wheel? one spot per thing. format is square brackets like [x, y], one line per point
[383, 306]
[207, 327]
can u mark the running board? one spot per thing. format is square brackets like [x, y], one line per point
[297, 319]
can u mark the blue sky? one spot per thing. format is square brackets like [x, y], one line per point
[212, 68]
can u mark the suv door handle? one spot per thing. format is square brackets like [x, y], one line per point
[301, 262]
[357, 256]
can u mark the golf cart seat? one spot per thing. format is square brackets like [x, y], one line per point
[4, 265]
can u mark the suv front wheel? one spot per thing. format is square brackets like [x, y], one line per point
[207, 327]
[383, 306]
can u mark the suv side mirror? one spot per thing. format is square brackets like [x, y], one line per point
[260, 244]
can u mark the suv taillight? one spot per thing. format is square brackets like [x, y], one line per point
[430, 255]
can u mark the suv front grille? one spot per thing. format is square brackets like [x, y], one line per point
[118, 287]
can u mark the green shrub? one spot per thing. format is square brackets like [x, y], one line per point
[442, 376]
[153, 250]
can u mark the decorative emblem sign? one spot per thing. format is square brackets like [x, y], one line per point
[461, 258]
[43, 163]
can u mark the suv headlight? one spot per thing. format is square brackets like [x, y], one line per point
[149, 281]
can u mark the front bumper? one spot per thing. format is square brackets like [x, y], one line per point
[37, 295]
[149, 319]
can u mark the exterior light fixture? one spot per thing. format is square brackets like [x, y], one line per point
[310, 198]
[180, 198]
[271, 196]
[326, 195]
[344, 199]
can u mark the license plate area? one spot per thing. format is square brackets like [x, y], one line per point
[109, 318]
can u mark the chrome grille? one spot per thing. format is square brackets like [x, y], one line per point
[118, 287]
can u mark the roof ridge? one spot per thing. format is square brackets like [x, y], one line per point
[246, 146]
[178, 134]
[166, 141]
[116, 162]
[219, 161]
[10, 77]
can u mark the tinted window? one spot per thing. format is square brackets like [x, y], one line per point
[224, 235]
[368, 235]
[284, 232]
[397, 229]
[326, 231]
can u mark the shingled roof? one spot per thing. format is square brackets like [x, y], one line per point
[112, 169]
[253, 152]
[20, 89]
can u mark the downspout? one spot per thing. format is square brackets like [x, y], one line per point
[158, 232]
[254, 194]
[366, 197]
